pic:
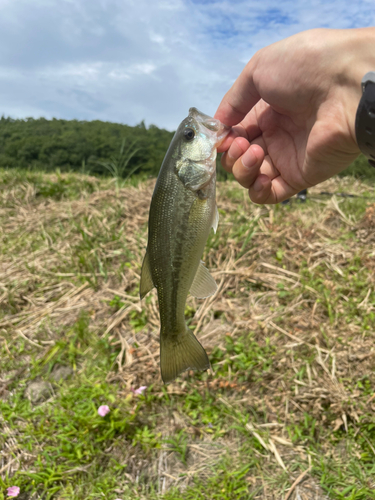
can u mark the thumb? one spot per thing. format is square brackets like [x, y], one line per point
[239, 99]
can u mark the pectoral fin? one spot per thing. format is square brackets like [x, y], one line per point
[203, 285]
[194, 175]
[146, 279]
[215, 221]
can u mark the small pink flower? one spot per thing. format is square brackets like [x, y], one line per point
[103, 410]
[139, 391]
[13, 491]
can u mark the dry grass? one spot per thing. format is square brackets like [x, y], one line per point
[299, 280]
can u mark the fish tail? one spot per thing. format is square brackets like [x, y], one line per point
[180, 353]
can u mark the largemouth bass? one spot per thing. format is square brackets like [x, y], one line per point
[182, 212]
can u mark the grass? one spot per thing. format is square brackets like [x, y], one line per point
[288, 412]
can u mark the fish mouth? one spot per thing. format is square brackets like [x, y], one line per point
[220, 131]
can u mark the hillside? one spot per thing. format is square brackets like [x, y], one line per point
[72, 145]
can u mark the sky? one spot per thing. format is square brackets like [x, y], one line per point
[131, 60]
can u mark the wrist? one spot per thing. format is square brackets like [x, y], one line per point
[360, 48]
[359, 60]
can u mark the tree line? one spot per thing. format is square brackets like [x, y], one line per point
[92, 146]
[96, 147]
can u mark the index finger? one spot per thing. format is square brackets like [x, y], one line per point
[239, 99]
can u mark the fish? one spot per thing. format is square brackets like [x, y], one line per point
[182, 212]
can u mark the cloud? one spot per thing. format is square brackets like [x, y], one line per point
[129, 60]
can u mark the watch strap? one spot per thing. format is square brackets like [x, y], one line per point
[365, 118]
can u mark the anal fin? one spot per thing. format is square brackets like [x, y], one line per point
[203, 285]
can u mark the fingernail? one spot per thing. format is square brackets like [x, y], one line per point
[258, 185]
[249, 159]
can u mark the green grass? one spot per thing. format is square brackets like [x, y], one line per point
[289, 335]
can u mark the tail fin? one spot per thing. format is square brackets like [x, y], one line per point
[181, 353]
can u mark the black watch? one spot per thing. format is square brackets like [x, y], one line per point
[365, 118]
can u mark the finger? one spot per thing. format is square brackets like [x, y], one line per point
[260, 191]
[239, 99]
[236, 149]
[259, 141]
[268, 168]
[237, 131]
[248, 128]
[254, 122]
[225, 145]
[246, 168]
[267, 191]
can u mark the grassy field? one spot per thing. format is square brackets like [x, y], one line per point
[288, 411]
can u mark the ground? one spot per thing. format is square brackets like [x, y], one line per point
[288, 409]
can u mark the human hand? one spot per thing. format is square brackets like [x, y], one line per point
[292, 112]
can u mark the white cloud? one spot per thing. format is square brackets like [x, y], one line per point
[157, 38]
[143, 68]
[128, 60]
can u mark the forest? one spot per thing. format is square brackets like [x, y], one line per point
[93, 147]
[96, 147]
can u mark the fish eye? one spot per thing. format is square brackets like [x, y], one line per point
[189, 134]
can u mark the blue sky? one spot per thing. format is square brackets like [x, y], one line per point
[132, 60]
